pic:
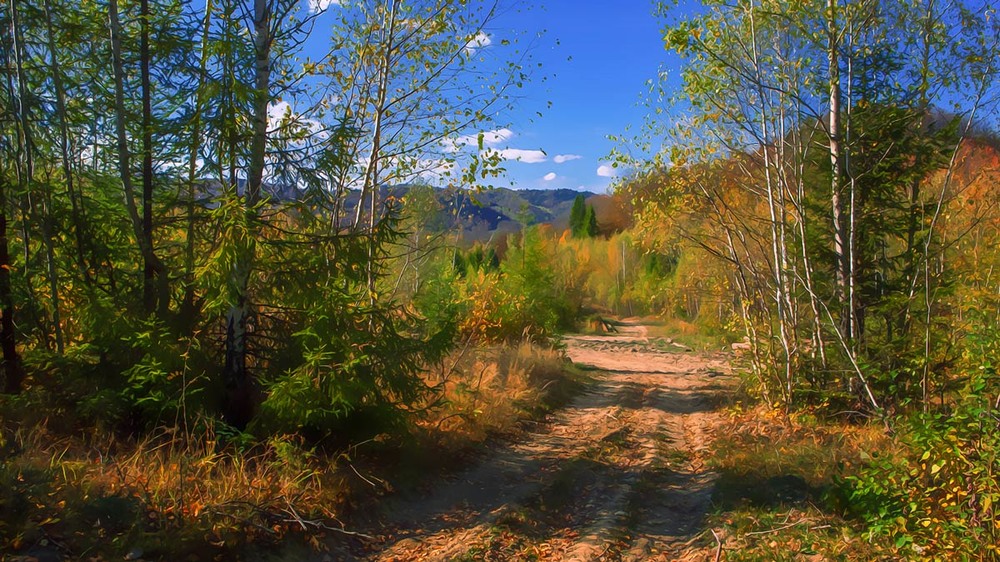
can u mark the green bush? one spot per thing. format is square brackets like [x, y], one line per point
[938, 499]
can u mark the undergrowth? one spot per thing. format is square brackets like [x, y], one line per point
[206, 491]
[778, 492]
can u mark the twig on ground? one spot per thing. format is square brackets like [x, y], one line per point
[319, 524]
[370, 483]
[718, 548]
[243, 520]
[694, 539]
[775, 530]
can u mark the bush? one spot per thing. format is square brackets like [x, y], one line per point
[938, 499]
[524, 297]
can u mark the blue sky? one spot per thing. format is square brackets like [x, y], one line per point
[597, 55]
[596, 58]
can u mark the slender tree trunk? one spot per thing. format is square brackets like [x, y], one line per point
[371, 183]
[840, 250]
[27, 178]
[22, 196]
[155, 282]
[12, 366]
[76, 205]
[139, 229]
[239, 385]
[778, 269]
[187, 312]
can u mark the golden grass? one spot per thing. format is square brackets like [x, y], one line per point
[180, 493]
[769, 443]
[490, 391]
[776, 475]
[170, 494]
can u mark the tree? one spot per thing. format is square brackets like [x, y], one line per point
[812, 267]
[233, 169]
[141, 224]
[590, 227]
[577, 216]
[13, 369]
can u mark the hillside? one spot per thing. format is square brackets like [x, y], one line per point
[480, 215]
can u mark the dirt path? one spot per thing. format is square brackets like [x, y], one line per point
[616, 475]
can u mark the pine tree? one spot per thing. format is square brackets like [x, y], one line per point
[577, 216]
[590, 227]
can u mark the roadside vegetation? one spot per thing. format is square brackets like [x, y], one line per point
[840, 169]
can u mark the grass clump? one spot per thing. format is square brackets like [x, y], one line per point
[490, 391]
[778, 491]
[170, 495]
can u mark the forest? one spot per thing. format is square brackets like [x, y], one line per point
[238, 307]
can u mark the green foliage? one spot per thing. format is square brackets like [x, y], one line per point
[524, 295]
[826, 193]
[167, 385]
[577, 216]
[590, 227]
[349, 360]
[278, 294]
[939, 497]
[582, 219]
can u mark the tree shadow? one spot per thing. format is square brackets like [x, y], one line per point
[735, 489]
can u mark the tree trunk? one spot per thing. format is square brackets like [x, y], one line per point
[27, 177]
[76, 205]
[155, 282]
[12, 367]
[371, 183]
[188, 307]
[240, 403]
[124, 156]
[840, 251]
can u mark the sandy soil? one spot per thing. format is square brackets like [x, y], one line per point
[616, 475]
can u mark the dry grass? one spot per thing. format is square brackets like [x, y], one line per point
[775, 497]
[491, 391]
[169, 495]
[687, 333]
[769, 443]
[196, 494]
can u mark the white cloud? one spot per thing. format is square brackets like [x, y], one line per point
[478, 42]
[277, 113]
[550, 176]
[321, 5]
[560, 158]
[490, 138]
[282, 120]
[526, 156]
[605, 171]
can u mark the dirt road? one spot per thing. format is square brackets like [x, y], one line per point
[616, 475]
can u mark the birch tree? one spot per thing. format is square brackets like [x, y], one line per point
[761, 107]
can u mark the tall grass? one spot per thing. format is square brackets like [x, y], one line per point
[209, 491]
[169, 494]
[491, 390]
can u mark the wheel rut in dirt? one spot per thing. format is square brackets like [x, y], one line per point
[618, 474]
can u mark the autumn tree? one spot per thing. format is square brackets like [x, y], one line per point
[812, 265]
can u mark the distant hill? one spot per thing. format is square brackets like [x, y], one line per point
[478, 216]
[482, 215]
